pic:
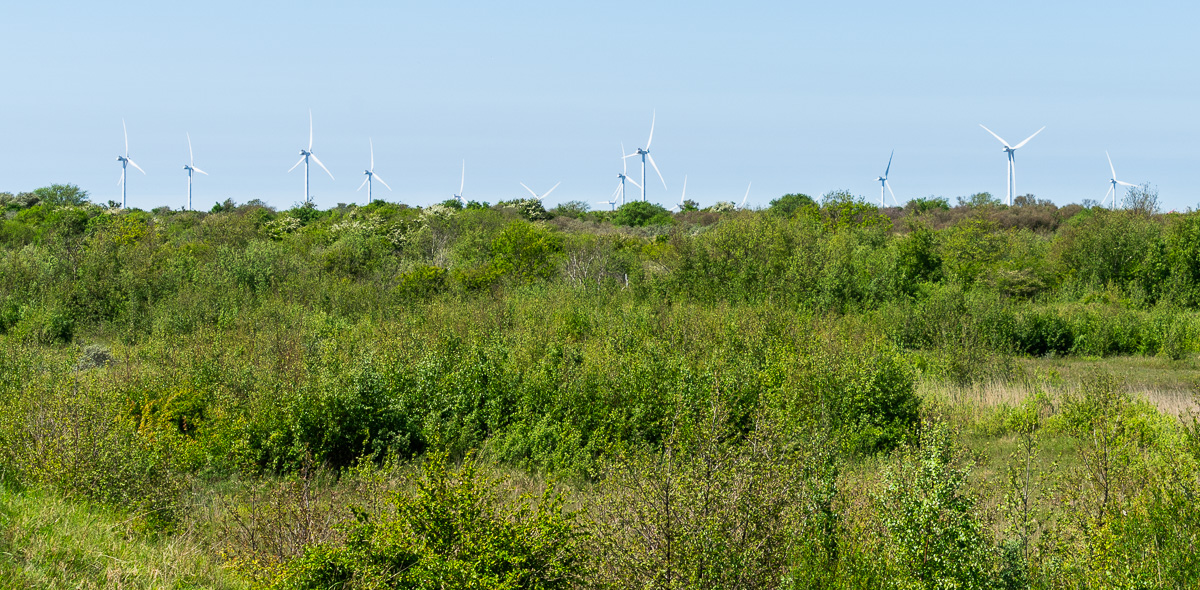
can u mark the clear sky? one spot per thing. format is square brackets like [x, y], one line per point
[794, 96]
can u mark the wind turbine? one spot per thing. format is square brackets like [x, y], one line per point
[305, 154]
[544, 195]
[883, 183]
[747, 196]
[1012, 167]
[190, 167]
[462, 183]
[1113, 189]
[624, 175]
[612, 201]
[370, 172]
[125, 163]
[683, 196]
[645, 154]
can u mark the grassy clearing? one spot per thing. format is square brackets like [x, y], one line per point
[49, 542]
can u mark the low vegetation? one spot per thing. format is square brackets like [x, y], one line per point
[820, 394]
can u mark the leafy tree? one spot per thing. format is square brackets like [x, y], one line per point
[925, 204]
[1142, 199]
[59, 195]
[789, 204]
[572, 209]
[937, 539]
[642, 213]
[977, 200]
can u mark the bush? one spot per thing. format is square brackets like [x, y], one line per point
[936, 538]
[642, 213]
[452, 531]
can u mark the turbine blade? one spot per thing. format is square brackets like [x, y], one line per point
[681, 197]
[364, 183]
[528, 189]
[1111, 191]
[318, 161]
[126, 130]
[463, 182]
[191, 156]
[310, 132]
[660, 176]
[652, 115]
[743, 205]
[624, 164]
[1029, 138]
[630, 180]
[121, 179]
[372, 144]
[134, 164]
[994, 135]
[199, 170]
[1122, 183]
[889, 166]
[1110, 166]
[550, 191]
[381, 181]
[296, 164]
[889, 187]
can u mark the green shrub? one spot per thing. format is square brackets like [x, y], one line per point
[452, 531]
[642, 213]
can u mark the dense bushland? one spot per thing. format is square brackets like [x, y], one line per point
[723, 398]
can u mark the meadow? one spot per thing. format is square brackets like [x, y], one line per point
[819, 394]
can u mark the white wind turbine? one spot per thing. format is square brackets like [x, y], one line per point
[645, 154]
[679, 207]
[1113, 189]
[883, 183]
[1012, 169]
[544, 195]
[305, 154]
[370, 172]
[191, 167]
[125, 163]
[623, 176]
[462, 183]
[747, 196]
[612, 200]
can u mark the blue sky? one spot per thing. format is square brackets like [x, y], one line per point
[795, 97]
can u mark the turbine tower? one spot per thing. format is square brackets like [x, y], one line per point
[1012, 167]
[623, 176]
[645, 154]
[883, 183]
[191, 167]
[370, 172]
[125, 163]
[462, 183]
[544, 195]
[1113, 189]
[305, 154]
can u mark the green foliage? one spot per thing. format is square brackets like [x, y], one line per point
[935, 535]
[572, 209]
[451, 531]
[642, 213]
[789, 204]
[61, 195]
[980, 200]
[921, 205]
[526, 251]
